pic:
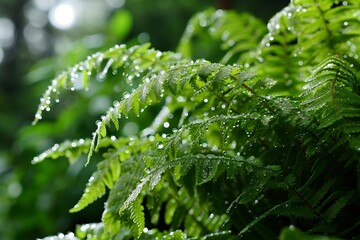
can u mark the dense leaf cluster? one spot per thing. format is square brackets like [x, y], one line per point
[264, 139]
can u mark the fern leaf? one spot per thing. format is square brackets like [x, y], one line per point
[206, 70]
[70, 149]
[335, 208]
[206, 169]
[259, 218]
[333, 87]
[291, 233]
[108, 171]
[122, 188]
[137, 217]
[320, 194]
[224, 27]
[116, 57]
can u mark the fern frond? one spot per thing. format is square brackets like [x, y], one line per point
[235, 33]
[134, 213]
[259, 218]
[277, 55]
[331, 213]
[150, 92]
[329, 30]
[301, 36]
[182, 209]
[125, 62]
[251, 173]
[291, 233]
[69, 149]
[320, 193]
[189, 77]
[121, 190]
[249, 134]
[134, 167]
[107, 173]
[332, 95]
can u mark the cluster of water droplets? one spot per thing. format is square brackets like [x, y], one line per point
[58, 148]
[88, 229]
[68, 236]
[45, 100]
[139, 98]
[275, 23]
[75, 78]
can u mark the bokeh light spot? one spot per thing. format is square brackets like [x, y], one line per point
[62, 16]
[1, 55]
[7, 32]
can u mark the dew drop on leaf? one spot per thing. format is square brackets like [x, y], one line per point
[166, 125]
[126, 95]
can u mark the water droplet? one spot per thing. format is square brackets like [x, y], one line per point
[160, 145]
[124, 58]
[166, 124]
[55, 147]
[180, 99]
[225, 35]
[126, 95]
[230, 43]
[38, 116]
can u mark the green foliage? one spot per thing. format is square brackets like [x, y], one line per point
[236, 150]
[293, 234]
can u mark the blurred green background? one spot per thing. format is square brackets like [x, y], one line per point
[38, 39]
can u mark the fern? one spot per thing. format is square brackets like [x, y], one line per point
[69, 149]
[223, 27]
[108, 172]
[235, 150]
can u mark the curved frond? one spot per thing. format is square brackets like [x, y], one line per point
[235, 33]
[69, 149]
